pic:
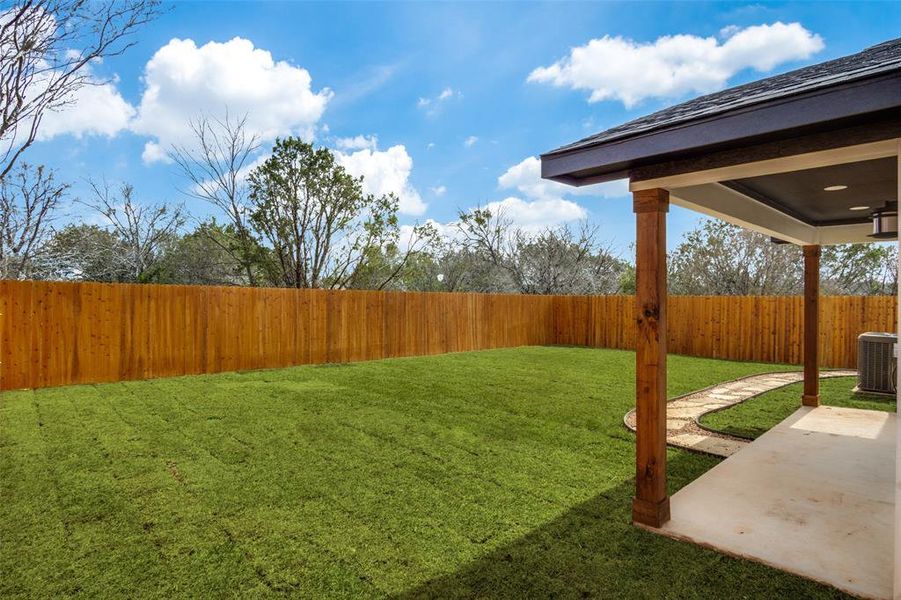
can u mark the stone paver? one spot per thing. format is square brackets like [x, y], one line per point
[682, 414]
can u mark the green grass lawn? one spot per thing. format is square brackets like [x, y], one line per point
[754, 417]
[499, 474]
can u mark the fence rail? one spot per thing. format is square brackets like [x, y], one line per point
[54, 333]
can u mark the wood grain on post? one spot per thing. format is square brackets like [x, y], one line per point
[651, 504]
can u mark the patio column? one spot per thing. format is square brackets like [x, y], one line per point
[897, 574]
[651, 504]
[811, 395]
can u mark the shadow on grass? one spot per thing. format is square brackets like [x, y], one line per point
[593, 551]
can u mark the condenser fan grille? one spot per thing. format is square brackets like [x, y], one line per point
[876, 362]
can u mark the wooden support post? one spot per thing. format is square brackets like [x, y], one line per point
[897, 578]
[811, 395]
[651, 504]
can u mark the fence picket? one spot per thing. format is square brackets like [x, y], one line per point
[58, 333]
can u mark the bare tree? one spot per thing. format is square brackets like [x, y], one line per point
[142, 230]
[486, 239]
[29, 198]
[859, 269]
[563, 260]
[216, 165]
[458, 268]
[46, 47]
[888, 278]
[84, 253]
[719, 258]
[554, 260]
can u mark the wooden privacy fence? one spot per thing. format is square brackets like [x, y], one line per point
[754, 328]
[57, 333]
[54, 333]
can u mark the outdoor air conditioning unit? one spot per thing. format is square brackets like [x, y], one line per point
[876, 362]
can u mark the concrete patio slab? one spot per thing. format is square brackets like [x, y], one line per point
[813, 496]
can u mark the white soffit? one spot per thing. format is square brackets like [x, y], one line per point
[701, 192]
[798, 162]
[721, 202]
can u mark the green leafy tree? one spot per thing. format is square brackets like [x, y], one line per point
[200, 257]
[627, 280]
[321, 228]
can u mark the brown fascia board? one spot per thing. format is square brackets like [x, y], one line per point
[818, 110]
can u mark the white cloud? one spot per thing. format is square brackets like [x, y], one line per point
[538, 214]
[153, 152]
[546, 203]
[526, 177]
[539, 203]
[432, 105]
[439, 190]
[96, 108]
[449, 232]
[385, 172]
[616, 68]
[470, 141]
[183, 81]
[359, 142]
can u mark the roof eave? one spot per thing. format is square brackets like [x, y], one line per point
[807, 112]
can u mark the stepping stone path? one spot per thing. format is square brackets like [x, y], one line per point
[682, 414]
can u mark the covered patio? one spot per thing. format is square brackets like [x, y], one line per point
[814, 496]
[810, 158]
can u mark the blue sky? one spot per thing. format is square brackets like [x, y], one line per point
[440, 93]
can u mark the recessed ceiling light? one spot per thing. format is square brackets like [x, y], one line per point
[834, 188]
[859, 208]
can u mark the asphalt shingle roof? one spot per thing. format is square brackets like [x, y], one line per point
[882, 58]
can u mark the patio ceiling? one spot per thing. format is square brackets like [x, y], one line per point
[762, 154]
[833, 195]
[787, 198]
